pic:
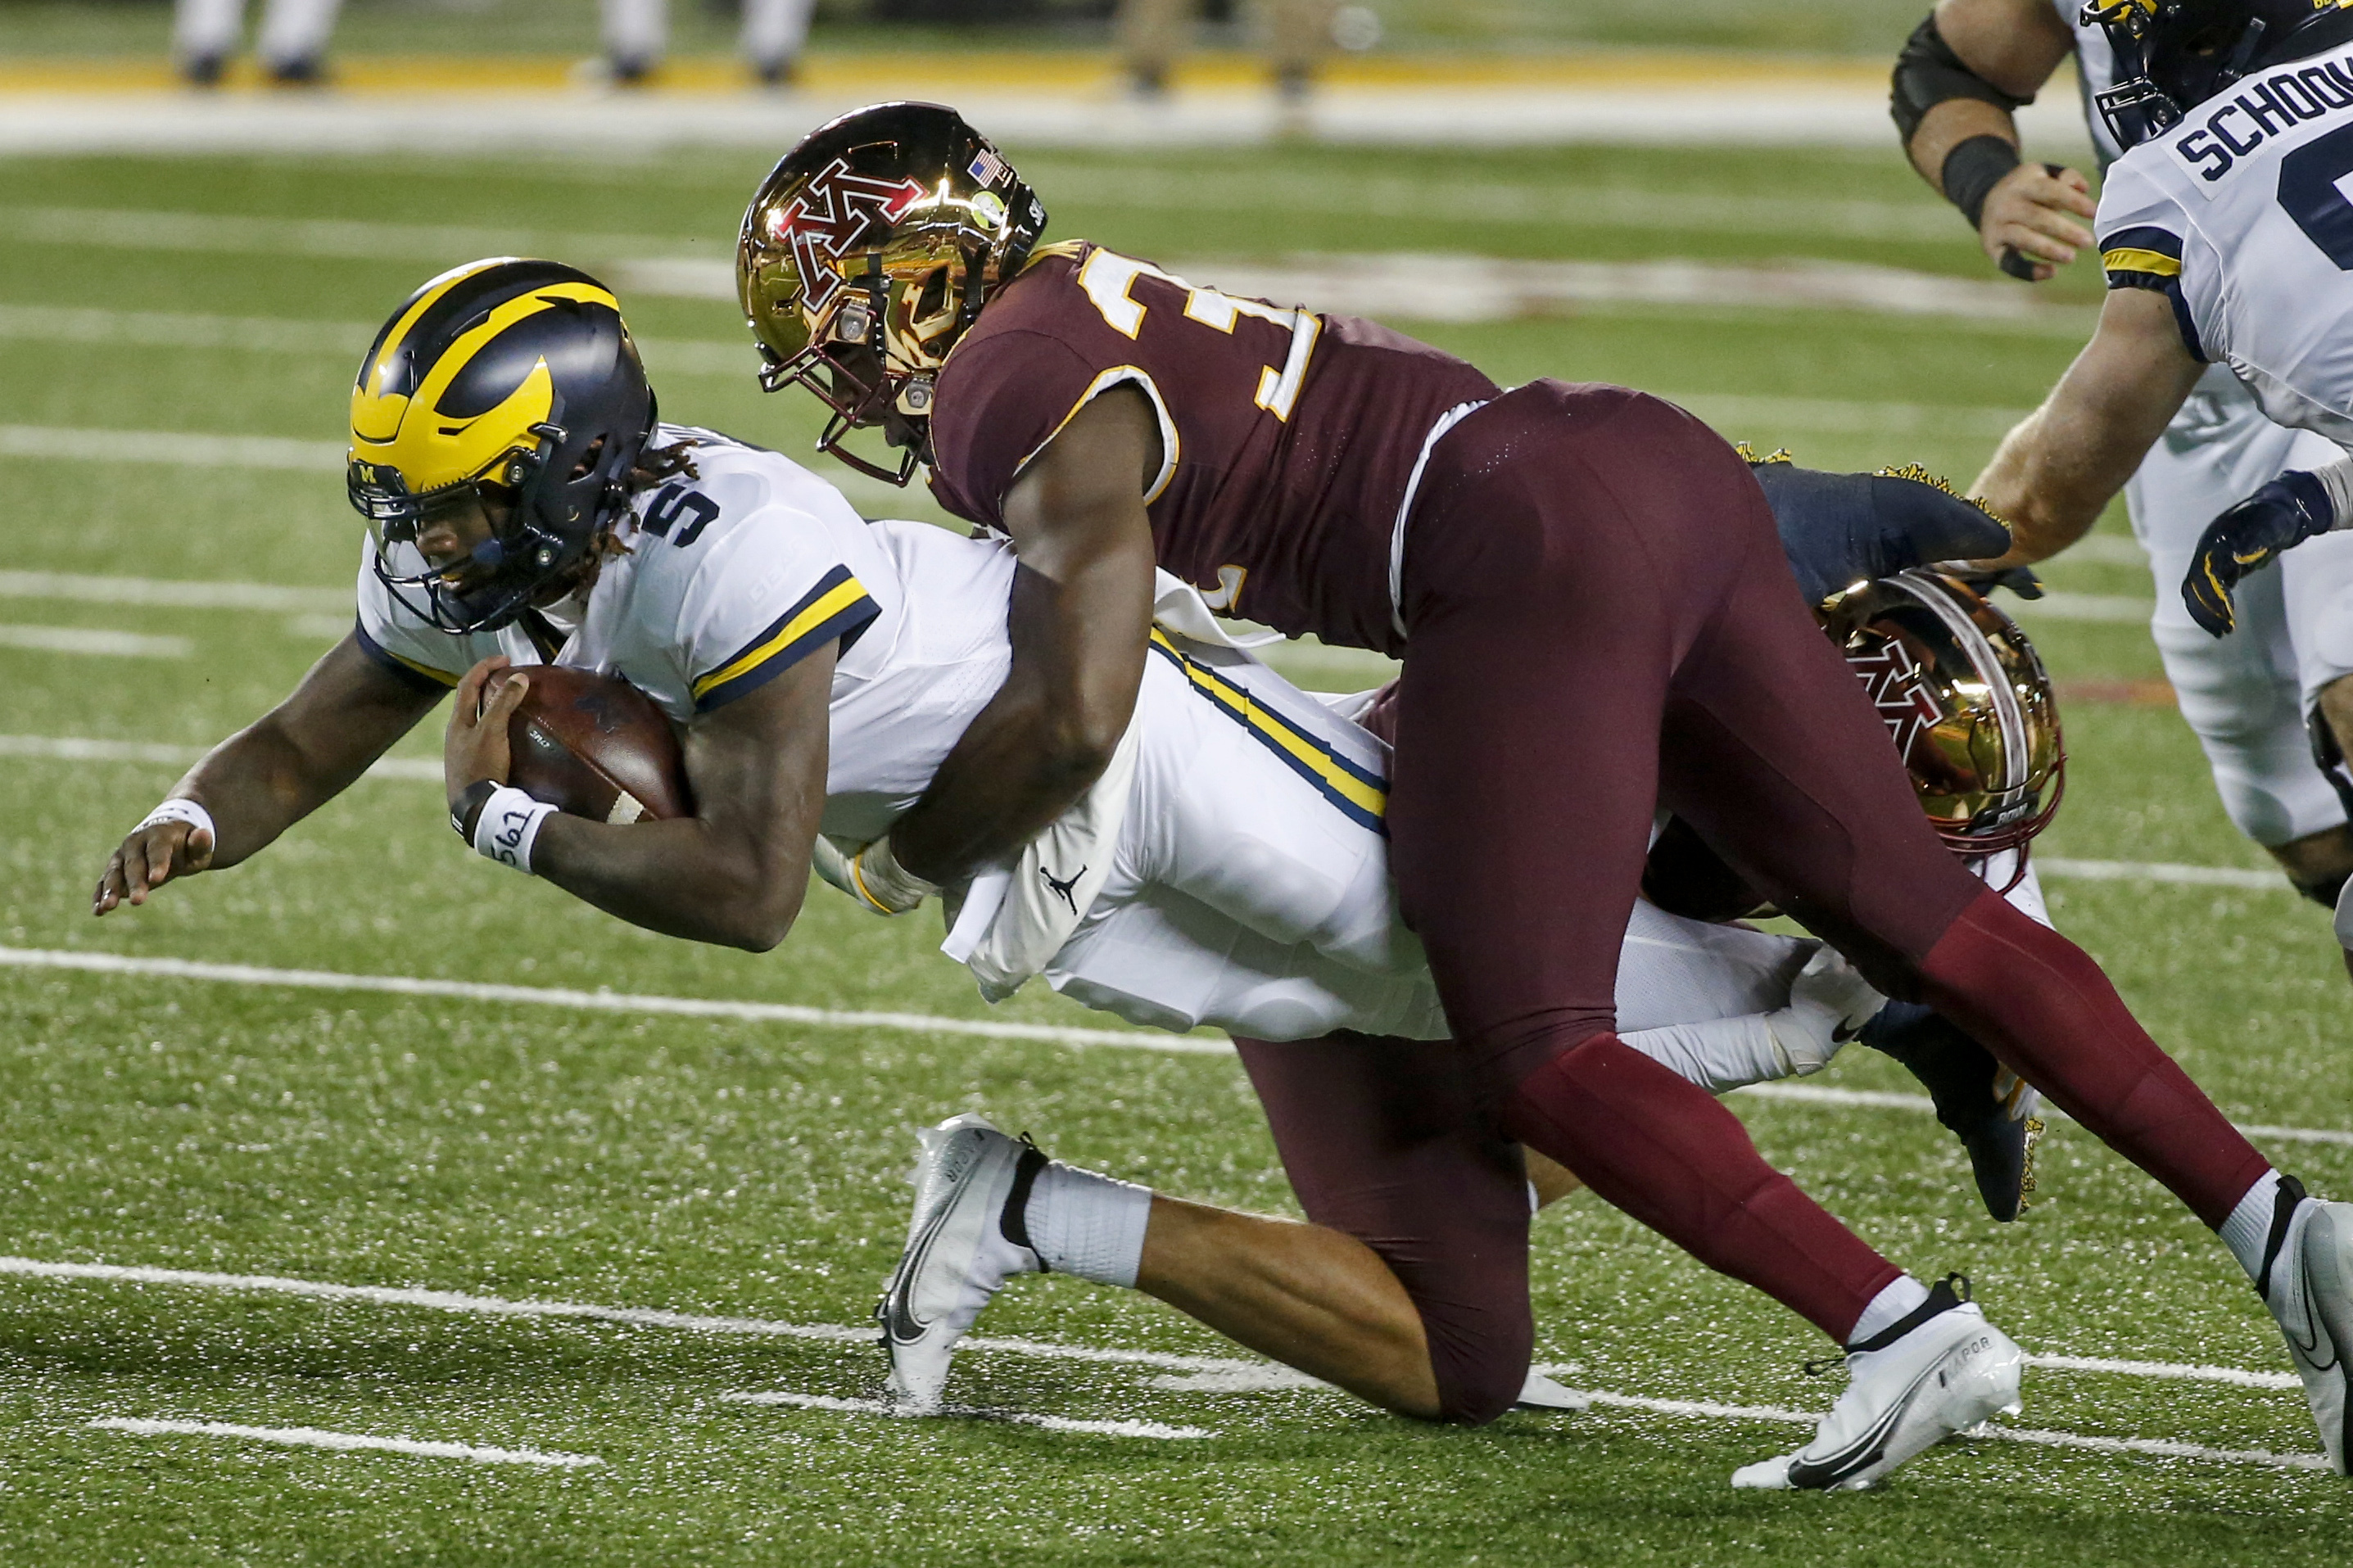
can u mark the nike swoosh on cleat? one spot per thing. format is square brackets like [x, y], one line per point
[1861, 1454]
[899, 1320]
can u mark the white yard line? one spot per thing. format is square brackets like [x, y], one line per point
[607, 1001]
[2157, 1447]
[2243, 877]
[1209, 1374]
[80, 588]
[93, 640]
[179, 448]
[79, 749]
[1883, 1100]
[1020, 1418]
[313, 1438]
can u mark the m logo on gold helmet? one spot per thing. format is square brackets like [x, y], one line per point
[510, 382]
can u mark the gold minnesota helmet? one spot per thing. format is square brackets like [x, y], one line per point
[1967, 701]
[511, 382]
[866, 254]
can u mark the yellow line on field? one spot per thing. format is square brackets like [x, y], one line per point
[945, 73]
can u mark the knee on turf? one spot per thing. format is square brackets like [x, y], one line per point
[1480, 1365]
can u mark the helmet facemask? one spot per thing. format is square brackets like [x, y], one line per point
[2173, 55]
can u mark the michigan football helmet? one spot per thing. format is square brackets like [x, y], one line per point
[513, 383]
[2173, 55]
[866, 254]
[1967, 701]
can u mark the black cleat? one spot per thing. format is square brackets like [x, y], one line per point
[1988, 1109]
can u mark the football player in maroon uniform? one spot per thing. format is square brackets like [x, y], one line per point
[1596, 623]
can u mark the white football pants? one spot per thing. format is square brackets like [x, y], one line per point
[774, 30]
[291, 30]
[2246, 695]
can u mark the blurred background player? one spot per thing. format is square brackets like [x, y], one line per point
[638, 31]
[1153, 33]
[2251, 696]
[292, 46]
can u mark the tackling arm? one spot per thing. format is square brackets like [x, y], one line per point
[1957, 83]
[347, 713]
[2065, 461]
[736, 872]
[1081, 615]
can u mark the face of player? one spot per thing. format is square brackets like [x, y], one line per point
[453, 530]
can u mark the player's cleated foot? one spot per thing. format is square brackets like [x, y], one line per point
[964, 1241]
[1989, 1110]
[1940, 1371]
[2307, 1283]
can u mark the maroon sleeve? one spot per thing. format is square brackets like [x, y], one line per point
[1001, 395]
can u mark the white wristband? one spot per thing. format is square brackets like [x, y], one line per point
[180, 809]
[509, 826]
[2337, 479]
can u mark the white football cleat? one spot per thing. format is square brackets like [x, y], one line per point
[2307, 1283]
[1940, 1371]
[958, 1249]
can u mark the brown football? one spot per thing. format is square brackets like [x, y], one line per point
[594, 746]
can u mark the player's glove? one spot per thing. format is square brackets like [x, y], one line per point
[1842, 529]
[2250, 537]
[871, 874]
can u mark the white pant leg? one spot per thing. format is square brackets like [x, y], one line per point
[636, 30]
[206, 29]
[296, 30]
[775, 30]
[2240, 694]
[2316, 582]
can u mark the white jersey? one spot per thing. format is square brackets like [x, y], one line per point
[731, 577]
[2236, 216]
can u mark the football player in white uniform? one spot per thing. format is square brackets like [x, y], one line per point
[2247, 697]
[525, 507]
[2228, 241]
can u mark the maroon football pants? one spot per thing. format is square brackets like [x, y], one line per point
[1383, 1140]
[1601, 623]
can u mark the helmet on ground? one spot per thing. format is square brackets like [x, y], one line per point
[2173, 55]
[508, 382]
[865, 255]
[1967, 701]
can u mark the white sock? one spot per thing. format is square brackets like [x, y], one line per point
[1897, 1301]
[1086, 1225]
[2250, 1224]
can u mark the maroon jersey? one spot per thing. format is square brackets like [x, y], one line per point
[1288, 439]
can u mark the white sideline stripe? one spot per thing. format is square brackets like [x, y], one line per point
[78, 588]
[1017, 1417]
[92, 640]
[604, 1001]
[2160, 1447]
[77, 749]
[313, 1438]
[2057, 605]
[1883, 1100]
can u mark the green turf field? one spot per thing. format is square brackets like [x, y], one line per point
[750, 1170]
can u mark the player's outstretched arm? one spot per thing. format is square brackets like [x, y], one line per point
[2055, 473]
[1081, 615]
[1955, 84]
[735, 873]
[347, 713]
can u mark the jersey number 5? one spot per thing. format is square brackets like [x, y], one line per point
[674, 502]
[1109, 277]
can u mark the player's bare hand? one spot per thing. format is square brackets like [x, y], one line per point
[152, 855]
[2033, 212]
[475, 748]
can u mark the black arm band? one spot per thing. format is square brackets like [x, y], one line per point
[1972, 169]
[468, 809]
[1928, 73]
